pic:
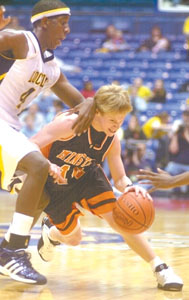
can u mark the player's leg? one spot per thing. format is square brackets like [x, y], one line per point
[36, 168]
[165, 276]
[18, 151]
[52, 236]
[62, 224]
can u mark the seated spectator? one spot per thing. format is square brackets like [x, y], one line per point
[134, 159]
[88, 90]
[139, 94]
[133, 130]
[3, 21]
[179, 149]
[184, 88]
[156, 42]
[186, 33]
[56, 108]
[114, 41]
[179, 121]
[158, 128]
[158, 92]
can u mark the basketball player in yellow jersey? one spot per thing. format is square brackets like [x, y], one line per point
[80, 158]
[28, 67]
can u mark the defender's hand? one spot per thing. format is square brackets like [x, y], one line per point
[158, 180]
[55, 172]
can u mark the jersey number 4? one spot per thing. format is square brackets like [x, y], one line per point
[24, 96]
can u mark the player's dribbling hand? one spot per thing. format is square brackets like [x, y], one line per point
[55, 172]
[138, 190]
[86, 111]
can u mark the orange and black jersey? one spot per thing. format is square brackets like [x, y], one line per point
[79, 158]
[78, 154]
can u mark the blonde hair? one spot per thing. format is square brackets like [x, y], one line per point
[112, 98]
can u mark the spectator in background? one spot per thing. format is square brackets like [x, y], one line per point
[134, 158]
[110, 32]
[156, 42]
[158, 128]
[88, 90]
[158, 92]
[139, 94]
[38, 117]
[179, 121]
[179, 149]
[184, 87]
[3, 21]
[134, 130]
[56, 108]
[186, 33]
[114, 41]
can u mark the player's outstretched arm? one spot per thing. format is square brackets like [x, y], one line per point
[117, 170]
[162, 179]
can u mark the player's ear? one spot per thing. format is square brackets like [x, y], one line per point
[44, 22]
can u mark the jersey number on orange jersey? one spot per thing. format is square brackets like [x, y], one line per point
[76, 173]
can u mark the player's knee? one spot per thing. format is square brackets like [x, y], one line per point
[39, 166]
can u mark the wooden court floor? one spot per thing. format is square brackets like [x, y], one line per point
[103, 267]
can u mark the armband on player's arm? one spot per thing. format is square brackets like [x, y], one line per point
[123, 183]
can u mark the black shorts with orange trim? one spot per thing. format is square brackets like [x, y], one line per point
[93, 192]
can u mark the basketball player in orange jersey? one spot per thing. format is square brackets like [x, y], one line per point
[80, 158]
[27, 68]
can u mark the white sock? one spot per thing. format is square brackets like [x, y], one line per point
[21, 225]
[156, 261]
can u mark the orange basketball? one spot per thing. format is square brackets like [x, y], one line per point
[134, 213]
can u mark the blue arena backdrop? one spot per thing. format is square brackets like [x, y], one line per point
[126, 3]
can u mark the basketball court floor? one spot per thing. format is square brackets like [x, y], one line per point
[103, 267]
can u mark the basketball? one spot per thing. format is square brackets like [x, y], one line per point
[135, 214]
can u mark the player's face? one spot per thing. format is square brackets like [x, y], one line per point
[57, 31]
[111, 122]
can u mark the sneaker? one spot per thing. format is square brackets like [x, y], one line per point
[16, 264]
[46, 246]
[167, 279]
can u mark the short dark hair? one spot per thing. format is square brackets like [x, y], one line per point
[44, 5]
